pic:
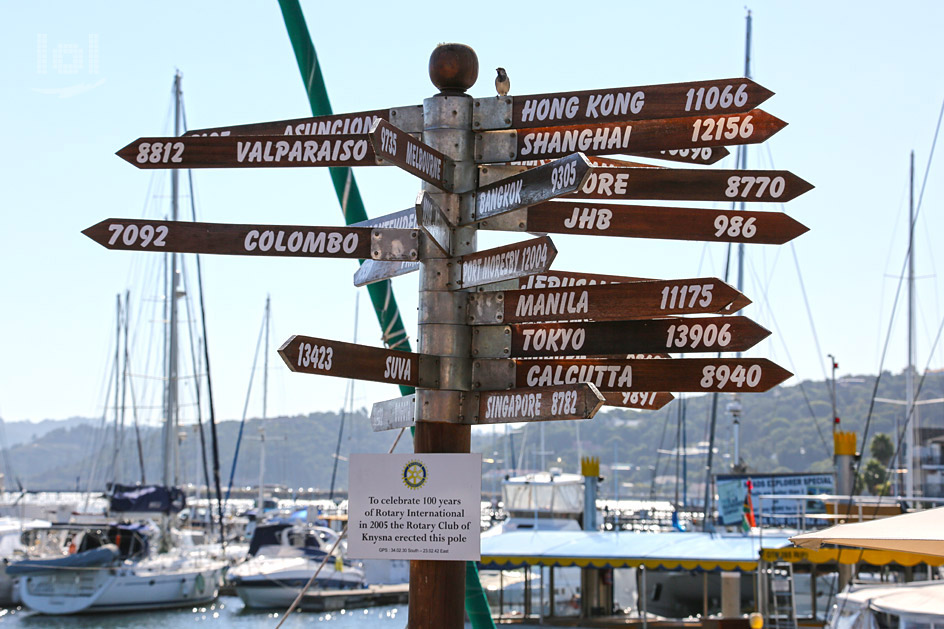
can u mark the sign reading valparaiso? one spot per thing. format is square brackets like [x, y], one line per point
[414, 506]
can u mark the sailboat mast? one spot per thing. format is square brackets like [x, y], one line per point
[171, 405]
[265, 394]
[911, 425]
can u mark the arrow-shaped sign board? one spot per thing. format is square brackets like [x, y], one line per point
[608, 302]
[729, 375]
[688, 184]
[705, 155]
[396, 413]
[506, 263]
[620, 104]
[612, 338]
[261, 151]
[433, 222]
[307, 354]
[409, 119]
[532, 186]
[668, 223]
[573, 401]
[371, 271]
[255, 240]
[412, 155]
[626, 137]
[643, 400]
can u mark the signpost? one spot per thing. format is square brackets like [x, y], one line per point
[532, 186]
[705, 375]
[770, 186]
[627, 137]
[504, 355]
[643, 221]
[608, 302]
[259, 151]
[255, 240]
[412, 155]
[614, 338]
[620, 104]
[306, 354]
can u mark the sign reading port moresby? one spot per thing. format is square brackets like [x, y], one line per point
[255, 240]
[506, 263]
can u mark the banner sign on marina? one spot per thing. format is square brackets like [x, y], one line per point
[773, 512]
[415, 506]
[255, 240]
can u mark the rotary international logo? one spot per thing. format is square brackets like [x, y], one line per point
[414, 474]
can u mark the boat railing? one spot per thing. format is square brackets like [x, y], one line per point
[806, 511]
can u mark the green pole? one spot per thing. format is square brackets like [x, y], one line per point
[381, 293]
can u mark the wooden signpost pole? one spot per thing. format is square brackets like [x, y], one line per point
[437, 588]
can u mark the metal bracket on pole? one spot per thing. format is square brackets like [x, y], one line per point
[491, 341]
[496, 146]
[490, 173]
[493, 374]
[409, 119]
[494, 112]
[486, 308]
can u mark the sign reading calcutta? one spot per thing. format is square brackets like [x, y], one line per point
[674, 374]
[255, 240]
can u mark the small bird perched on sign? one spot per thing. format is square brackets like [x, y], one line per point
[502, 82]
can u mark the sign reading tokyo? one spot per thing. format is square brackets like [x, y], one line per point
[415, 506]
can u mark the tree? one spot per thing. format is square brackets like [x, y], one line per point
[882, 448]
[874, 475]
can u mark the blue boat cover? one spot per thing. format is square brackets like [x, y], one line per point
[100, 556]
[146, 498]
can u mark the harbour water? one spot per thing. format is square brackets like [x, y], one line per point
[226, 612]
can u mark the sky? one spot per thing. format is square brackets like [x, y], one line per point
[858, 82]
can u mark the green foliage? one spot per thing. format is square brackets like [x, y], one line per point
[874, 476]
[882, 448]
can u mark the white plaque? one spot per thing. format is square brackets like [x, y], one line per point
[414, 506]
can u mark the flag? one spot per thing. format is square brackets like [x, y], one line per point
[748, 522]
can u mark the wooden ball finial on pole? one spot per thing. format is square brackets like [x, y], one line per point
[453, 68]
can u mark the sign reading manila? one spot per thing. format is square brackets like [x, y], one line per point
[308, 354]
[625, 137]
[669, 100]
[728, 375]
[608, 302]
[506, 263]
[262, 151]
[668, 223]
[412, 155]
[612, 338]
[688, 184]
[532, 186]
[255, 240]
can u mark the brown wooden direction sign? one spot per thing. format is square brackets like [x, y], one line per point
[260, 151]
[580, 400]
[671, 223]
[532, 186]
[644, 400]
[612, 338]
[255, 240]
[608, 302]
[407, 118]
[615, 138]
[622, 103]
[506, 263]
[430, 218]
[412, 155]
[675, 374]
[555, 279]
[688, 184]
[308, 354]
[704, 155]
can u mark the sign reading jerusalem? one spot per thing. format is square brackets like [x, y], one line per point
[414, 506]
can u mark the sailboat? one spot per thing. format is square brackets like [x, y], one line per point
[130, 566]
